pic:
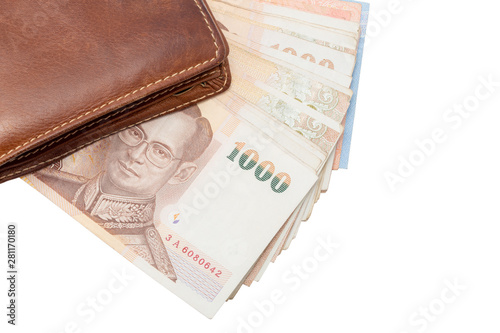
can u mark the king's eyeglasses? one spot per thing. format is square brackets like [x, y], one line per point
[156, 153]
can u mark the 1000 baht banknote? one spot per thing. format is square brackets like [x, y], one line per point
[183, 197]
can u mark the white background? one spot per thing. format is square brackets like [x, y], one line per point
[398, 248]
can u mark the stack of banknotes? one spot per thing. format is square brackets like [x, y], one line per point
[204, 199]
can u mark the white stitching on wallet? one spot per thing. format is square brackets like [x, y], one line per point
[128, 94]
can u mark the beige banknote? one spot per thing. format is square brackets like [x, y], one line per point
[319, 129]
[350, 11]
[272, 12]
[317, 92]
[186, 197]
[331, 38]
[314, 58]
[299, 64]
[319, 99]
[281, 33]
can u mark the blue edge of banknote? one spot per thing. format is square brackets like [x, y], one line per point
[349, 123]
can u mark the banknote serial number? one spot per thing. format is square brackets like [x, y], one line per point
[264, 171]
[191, 254]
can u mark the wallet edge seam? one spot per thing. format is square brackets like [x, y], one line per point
[114, 132]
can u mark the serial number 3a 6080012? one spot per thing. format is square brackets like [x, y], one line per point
[195, 257]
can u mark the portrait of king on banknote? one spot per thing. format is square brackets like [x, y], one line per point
[140, 161]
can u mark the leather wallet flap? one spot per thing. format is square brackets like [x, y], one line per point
[64, 63]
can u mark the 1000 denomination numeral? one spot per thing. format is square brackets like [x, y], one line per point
[263, 171]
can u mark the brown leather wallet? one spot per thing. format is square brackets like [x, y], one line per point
[73, 72]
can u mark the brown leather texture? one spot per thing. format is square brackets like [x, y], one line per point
[73, 72]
